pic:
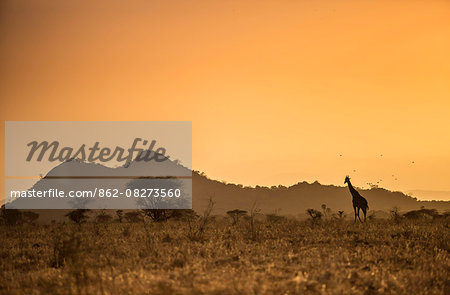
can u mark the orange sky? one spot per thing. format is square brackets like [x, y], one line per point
[276, 90]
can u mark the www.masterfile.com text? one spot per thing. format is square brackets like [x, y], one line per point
[97, 192]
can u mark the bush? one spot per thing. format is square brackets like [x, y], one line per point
[30, 217]
[274, 218]
[395, 215]
[253, 225]
[119, 214]
[422, 213]
[158, 215]
[183, 214]
[133, 216]
[103, 218]
[11, 216]
[315, 215]
[78, 216]
[236, 214]
[197, 225]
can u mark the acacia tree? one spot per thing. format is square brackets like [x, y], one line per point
[78, 216]
[236, 214]
[158, 208]
[158, 214]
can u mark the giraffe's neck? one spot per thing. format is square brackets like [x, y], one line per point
[352, 189]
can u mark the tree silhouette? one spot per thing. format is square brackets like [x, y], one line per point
[236, 214]
[315, 215]
[78, 216]
[158, 208]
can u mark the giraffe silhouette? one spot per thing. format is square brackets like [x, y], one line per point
[358, 200]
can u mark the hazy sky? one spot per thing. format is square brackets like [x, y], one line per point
[276, 90]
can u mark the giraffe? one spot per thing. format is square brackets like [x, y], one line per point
[358, 201]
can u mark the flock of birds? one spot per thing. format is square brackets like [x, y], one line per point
[378, 182]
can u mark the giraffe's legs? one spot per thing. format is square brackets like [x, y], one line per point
[354, 208]
[358, 215]
[365, 212]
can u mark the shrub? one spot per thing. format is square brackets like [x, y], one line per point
[422, 213]
[315, 215]
[183, 214]
[133, 216]
[274, 218]
[236, 214]
[157, 215]
[78, 216]
[119, 214]
[11, 216]
[326, 211]
[103, 218]
[30, 217]
[197, 226]
[253, 226]
[395, 214]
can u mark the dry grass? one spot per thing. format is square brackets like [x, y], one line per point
[278, 256]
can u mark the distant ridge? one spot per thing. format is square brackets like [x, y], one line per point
[430, 194]
[292, 200]
[295, 199]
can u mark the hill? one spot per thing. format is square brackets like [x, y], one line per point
[292, 200]
[297, 198]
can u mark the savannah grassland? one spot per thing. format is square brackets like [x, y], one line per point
[213, 256]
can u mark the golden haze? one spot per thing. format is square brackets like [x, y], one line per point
[276, 90]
